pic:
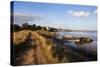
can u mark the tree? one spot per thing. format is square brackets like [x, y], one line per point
[34, 27]
[25, 26]
[15, 27]
[39, 28]
[44, 28]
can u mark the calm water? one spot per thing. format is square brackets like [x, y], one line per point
[92, 34]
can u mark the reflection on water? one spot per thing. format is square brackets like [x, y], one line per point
[89, 46]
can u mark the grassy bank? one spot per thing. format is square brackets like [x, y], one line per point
[42, 47]
[29, 41]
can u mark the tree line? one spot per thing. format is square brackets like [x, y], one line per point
[33, 27]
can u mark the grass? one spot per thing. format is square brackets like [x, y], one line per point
[19, 37]
[42, 51]
[41, 47]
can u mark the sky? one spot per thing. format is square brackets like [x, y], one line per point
[65, 16]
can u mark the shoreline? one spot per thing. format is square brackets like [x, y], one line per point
[61, 41]
[49, 47]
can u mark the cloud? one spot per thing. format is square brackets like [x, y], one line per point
[23, 18]
[79, 13]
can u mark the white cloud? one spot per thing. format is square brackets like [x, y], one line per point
[79, 13]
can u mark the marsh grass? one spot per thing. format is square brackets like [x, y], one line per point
[32, 48]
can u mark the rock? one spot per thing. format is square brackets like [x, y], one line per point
[83, 40]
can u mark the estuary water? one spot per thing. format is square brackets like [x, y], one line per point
[89, 46]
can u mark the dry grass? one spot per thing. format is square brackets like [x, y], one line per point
[19, 37]
[41, 54]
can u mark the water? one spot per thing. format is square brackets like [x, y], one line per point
[92, 34]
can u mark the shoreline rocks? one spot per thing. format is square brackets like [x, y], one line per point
[83, 40]
[77, 40]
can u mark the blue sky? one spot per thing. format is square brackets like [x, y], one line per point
[77, 17]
